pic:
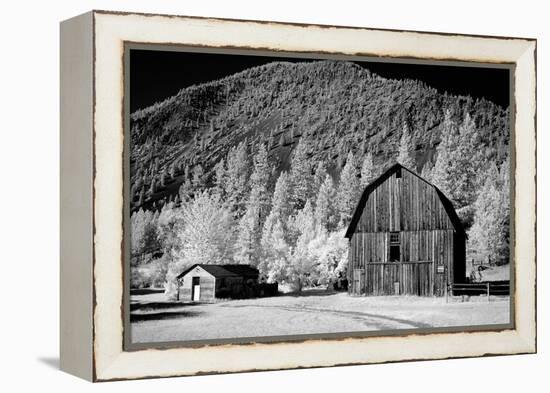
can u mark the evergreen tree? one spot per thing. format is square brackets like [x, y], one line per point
[133, 191]
[163, 179]
[219, 178]
[137, 223]
[319, 177]
[300, 176]
[248, 241]
[456, 171]
[325, 214]
[486, 229]
[427, 171]
[503, 244]
[489, 235]
[465, 164]
[141, 198]
[173, 169]
[236, 179]
[259, 181]
[406, 149]
[280, 205]
[157, 164]
[347, 195]
[144, 237]
[152, 187]
[186, 190]
[368, 173]
[442, 171]
[246, 247]
[198, 182]
[273, 242]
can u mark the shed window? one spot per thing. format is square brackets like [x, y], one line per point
[395, 247]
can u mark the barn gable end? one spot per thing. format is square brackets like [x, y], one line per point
[405, 238]
[407, 202]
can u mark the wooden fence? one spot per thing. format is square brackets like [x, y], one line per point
[488, 289]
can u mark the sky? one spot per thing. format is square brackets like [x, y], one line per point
[156, 75]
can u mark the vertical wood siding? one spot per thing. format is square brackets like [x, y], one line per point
[412, 207]
[207, 283]
[421, 253]
[403, 204]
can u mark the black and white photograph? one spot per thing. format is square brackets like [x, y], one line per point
[273, 196]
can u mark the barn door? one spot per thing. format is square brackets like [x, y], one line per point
[358, 275]
[196, 289]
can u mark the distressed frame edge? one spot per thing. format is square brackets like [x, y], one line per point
[526, 339]
[303, 24]
[526, 216]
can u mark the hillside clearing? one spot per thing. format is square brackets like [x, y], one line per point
[309, 313]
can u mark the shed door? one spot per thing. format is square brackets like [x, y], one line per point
[196, 288]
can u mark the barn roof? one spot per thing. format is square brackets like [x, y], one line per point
[447, 204]
[246, 271]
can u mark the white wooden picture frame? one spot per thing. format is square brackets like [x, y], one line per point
[92, 195]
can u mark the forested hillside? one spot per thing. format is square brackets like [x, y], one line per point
[283, 150]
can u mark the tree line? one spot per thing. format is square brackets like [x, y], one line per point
[289, 225]
[240, 200]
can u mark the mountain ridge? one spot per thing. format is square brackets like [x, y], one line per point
[337, 106]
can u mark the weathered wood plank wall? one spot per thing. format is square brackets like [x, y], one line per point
[412, 207]
[403, 204]
[207, 283]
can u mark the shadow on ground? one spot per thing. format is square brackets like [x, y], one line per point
[146, 291]
[158, 305]
[310, 292]
[159, 316]
[52, 362]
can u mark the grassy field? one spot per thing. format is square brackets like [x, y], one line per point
[312, 312]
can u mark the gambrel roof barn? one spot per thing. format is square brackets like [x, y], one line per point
[405, 238]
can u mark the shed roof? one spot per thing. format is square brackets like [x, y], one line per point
[230, 270]
[447, 204]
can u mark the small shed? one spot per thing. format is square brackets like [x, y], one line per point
[205, 283]
[405, 238]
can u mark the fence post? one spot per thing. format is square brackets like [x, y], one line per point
[488, 292]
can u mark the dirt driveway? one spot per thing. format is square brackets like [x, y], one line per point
[154, 320]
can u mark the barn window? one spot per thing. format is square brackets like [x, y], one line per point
[395, 247]
[398, 173]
